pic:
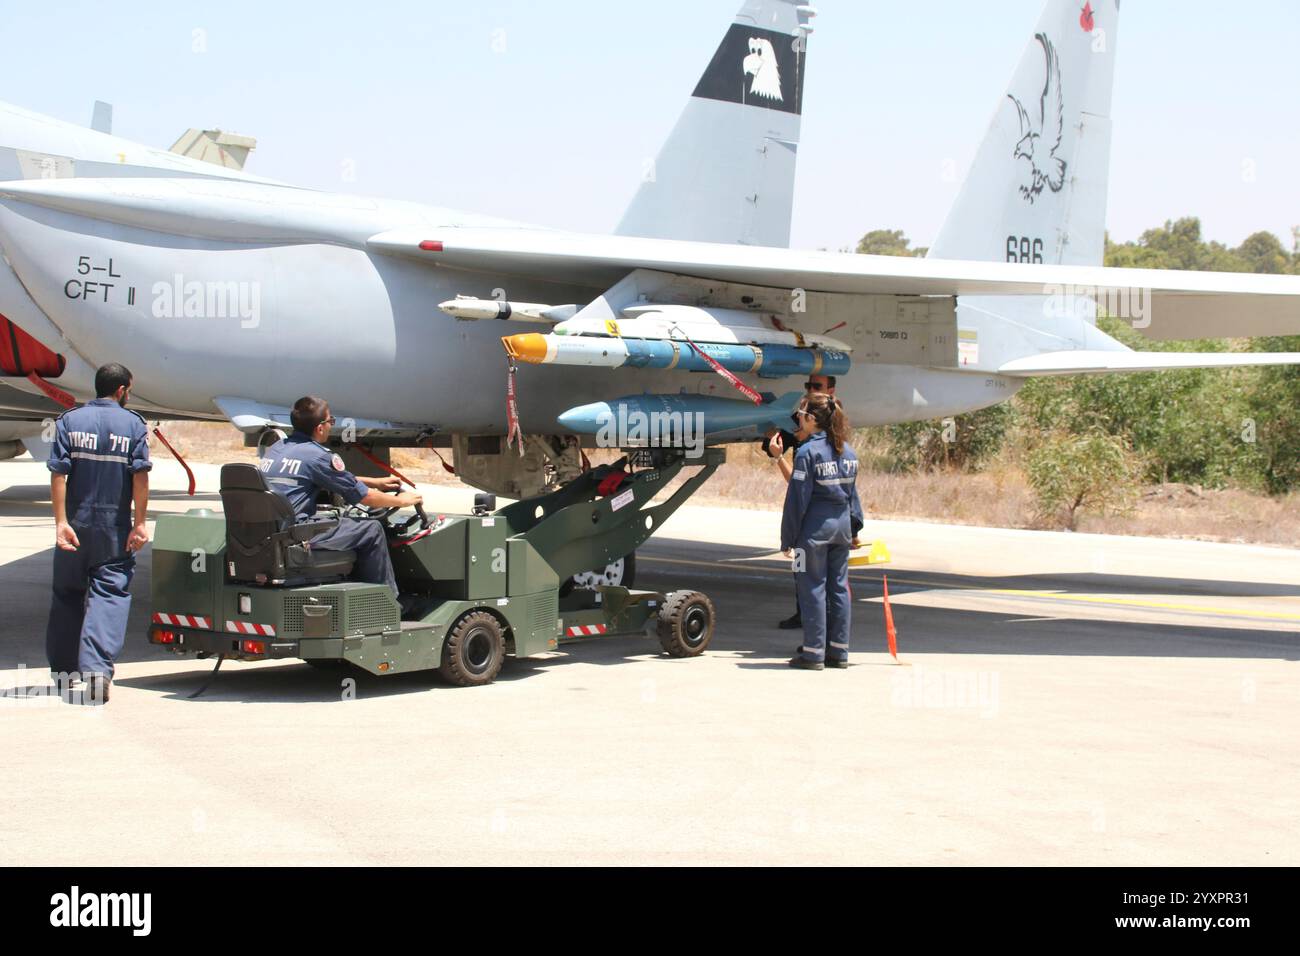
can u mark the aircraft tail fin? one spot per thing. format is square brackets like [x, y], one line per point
[1036, 191]
[726, 172]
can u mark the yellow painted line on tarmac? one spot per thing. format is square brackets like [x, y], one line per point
[1048, 595]
[757, 567]
[1137, 602]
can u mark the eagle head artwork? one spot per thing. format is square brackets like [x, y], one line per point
[762, 66]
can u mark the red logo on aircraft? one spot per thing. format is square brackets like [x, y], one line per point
[1085, 18]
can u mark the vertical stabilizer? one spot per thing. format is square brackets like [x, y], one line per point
[1036, 191]
[726, 173]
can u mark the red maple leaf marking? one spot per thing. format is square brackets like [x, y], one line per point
[1085, 18]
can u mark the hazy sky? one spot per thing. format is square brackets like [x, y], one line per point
[547, 111]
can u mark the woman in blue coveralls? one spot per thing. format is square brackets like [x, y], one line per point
[819, 527]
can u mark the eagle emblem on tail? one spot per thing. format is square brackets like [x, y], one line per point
[762, 65]
[1041, 138]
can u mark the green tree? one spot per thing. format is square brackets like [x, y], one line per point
[1073, 474]
[1185, 423]
[1177, 244]
[1270, 427]
[1263, 252]
[887, 242]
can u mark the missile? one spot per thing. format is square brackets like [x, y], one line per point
[466, 308]
[672, 420]
[699, 324]
[768, 361]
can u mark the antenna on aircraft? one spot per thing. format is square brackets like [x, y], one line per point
[215, 146]
[101, 120]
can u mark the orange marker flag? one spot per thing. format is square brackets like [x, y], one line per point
[889, 622]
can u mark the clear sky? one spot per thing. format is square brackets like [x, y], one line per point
[547, 111]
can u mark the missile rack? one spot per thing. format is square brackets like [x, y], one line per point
[475, 588]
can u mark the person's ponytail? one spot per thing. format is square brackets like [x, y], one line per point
[839, 430]
[829, 415]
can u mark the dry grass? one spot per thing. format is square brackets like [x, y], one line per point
[1178, 511]
[205, 441]
[997, 497]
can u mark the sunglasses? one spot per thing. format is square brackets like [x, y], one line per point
[813, 386]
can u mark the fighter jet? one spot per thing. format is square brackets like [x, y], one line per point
[230, 297]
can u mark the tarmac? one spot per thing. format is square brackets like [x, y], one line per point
[1057, 699]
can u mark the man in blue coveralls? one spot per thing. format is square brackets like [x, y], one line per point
[99, 468]
[300, 467]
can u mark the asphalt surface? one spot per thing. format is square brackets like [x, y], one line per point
[1057, 699]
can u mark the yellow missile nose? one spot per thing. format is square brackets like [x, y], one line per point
[527, 347]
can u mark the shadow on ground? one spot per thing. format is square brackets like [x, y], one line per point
[749, 597]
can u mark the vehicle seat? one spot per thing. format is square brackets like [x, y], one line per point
[264, 542]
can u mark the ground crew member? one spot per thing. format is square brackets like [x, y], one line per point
[99, 468]
[300, 467]
[776, 444]
[819, 527]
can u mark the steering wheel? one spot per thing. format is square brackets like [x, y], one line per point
[361, 512]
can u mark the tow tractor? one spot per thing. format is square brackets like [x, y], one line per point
[475, 588]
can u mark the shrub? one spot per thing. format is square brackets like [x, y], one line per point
[1076, 473]
[964, 442]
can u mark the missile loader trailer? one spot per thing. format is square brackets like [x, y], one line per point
[246, 586]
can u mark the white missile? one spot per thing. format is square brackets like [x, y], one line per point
[466, 308]
[682, 322]
[772, 361]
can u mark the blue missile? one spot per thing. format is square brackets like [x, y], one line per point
[675, 420]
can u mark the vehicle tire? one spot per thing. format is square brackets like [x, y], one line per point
[620, 573]
[686, 624]
[474, 650]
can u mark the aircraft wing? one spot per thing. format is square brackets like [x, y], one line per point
[1175, 304]
[1083, 361]
[1235, 304]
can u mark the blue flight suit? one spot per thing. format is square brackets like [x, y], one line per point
[297, 469]
[788, 444]
[821, 518]
[99, 447]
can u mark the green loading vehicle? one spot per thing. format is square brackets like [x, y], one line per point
[474, 588]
